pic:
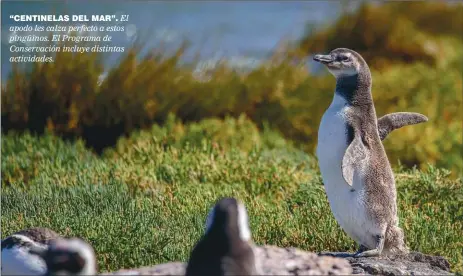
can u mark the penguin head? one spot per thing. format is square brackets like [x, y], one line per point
[69, 257]
[342, 62]
[229, 217]
[18, 240]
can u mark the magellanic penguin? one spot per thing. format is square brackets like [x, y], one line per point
[225, 248]
[356, 172]
[17, 258]
[71, 256]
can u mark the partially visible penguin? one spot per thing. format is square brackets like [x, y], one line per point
[358, 178]
[71, 256]
[226, 247]
[17, 258]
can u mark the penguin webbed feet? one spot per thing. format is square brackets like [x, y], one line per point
[362, 248]
[362, 252]
[337, 254]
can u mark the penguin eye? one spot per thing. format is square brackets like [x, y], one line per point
[343, 58]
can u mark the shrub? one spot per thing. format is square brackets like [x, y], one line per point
[67, 99]
[391, 33]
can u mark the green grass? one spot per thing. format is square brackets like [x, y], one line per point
[145, 202]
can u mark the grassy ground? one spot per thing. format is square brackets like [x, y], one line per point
[145, 202]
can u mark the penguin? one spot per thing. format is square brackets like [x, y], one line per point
[226, 247]
[71, 256]
[17, 258]
[356, 172]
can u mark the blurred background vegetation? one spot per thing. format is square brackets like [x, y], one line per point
[415, 51]
[170, 139]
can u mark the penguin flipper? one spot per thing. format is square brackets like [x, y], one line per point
[392, 121]
[355, 153]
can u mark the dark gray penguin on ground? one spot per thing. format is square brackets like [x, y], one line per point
[17, 258]
[358, 178]
[72, 256]
[226, 247]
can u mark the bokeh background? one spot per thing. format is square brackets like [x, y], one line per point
[200, 60]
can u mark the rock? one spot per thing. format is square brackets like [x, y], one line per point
[291, 261]
[174, 268]
[414, 263]
[274, 261]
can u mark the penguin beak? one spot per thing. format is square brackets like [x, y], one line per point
[325, 59]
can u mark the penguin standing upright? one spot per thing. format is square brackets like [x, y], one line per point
[358, 178]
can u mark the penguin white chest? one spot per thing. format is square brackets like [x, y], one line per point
[347, 206]
[332, 139]
[18, 261]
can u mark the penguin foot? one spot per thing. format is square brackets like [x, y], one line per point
[370, 253]
[373, 252]
[337, 254]
[362, 248]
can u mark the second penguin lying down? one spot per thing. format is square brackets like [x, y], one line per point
[226, 247]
